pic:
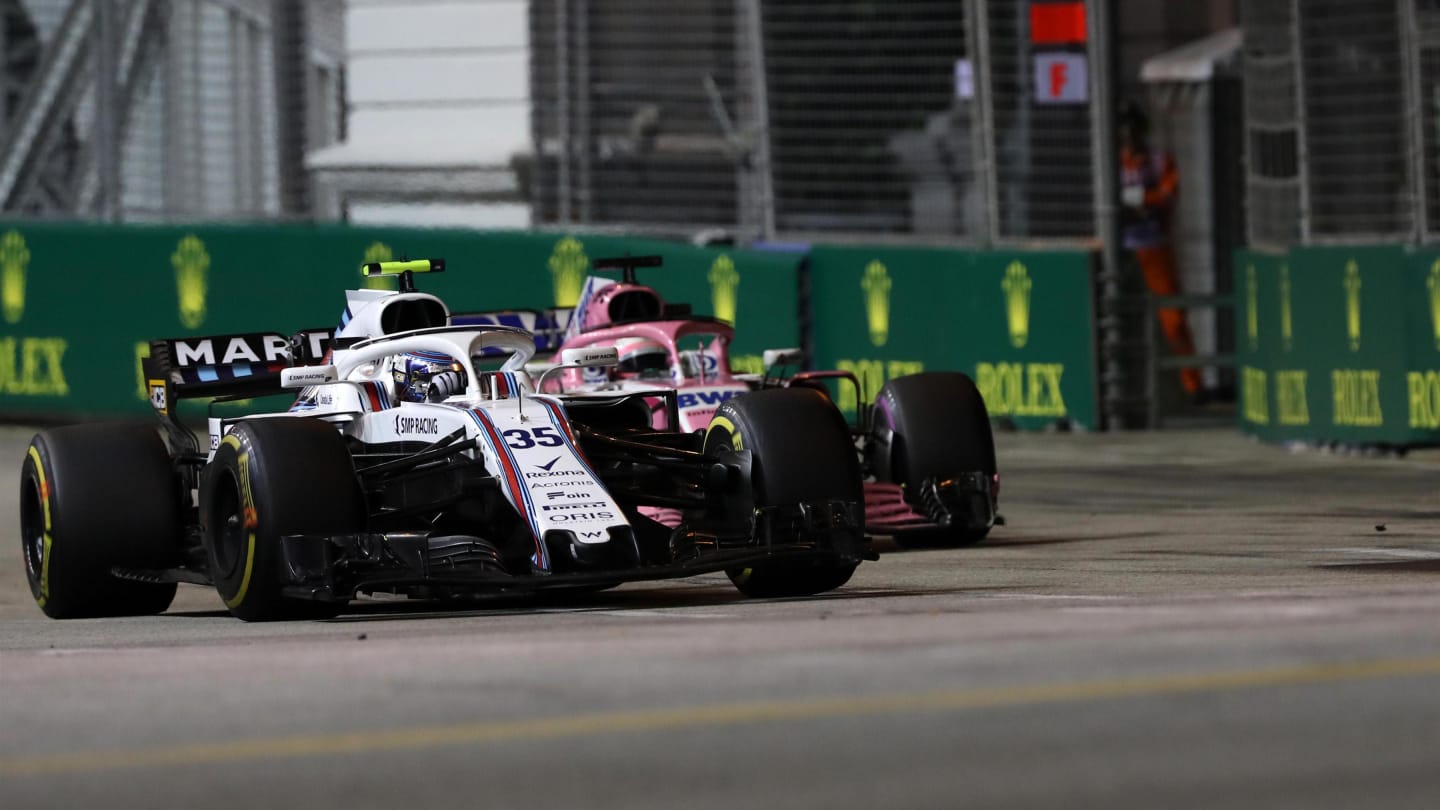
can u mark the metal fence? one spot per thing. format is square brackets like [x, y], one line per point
[631, 105]
[911, 119]
[1341, 113]
[907, 120]
[165, 109]
[1424, 112]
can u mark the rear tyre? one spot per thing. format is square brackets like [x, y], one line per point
[94, 498]
[800, 451]
[270, 478]
[931, 425]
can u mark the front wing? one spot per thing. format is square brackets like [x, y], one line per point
[337, 567]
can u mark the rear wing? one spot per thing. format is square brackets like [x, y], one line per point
[627, 264]
[230, 366]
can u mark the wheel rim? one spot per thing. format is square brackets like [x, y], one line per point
[228, 526]
[32, 529]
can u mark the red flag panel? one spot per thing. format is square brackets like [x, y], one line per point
[1057, 23]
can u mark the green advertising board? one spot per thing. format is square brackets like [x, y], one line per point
[1339, 344]
[1020, 323]
[1258, 319]
[81, 302]
[1422, 378]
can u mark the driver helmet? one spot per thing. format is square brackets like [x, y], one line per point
[426, 376]
[642, 357]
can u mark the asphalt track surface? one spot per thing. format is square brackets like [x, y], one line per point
[1182, 619]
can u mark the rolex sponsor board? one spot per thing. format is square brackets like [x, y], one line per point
[1260, 308]
[1339, 344]
[1422, 376]
[81, 302]
[1019, 323]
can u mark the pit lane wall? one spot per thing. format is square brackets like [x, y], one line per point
[1340, 344]
[81, 302]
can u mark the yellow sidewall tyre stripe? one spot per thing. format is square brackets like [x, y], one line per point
[247, 502]
[48, 540]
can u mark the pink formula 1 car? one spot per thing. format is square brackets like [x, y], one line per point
[927, 452]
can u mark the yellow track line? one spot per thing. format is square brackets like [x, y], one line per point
[360, 742]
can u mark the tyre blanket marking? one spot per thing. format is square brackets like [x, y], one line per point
[519, 493]
[252, 519]
[722, 422]
[45, 538]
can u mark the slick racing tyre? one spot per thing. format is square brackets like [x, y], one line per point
[94, 498]
[800, 451]
[270, 478]
[931, 425]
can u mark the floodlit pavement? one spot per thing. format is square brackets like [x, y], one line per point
[1178, 619]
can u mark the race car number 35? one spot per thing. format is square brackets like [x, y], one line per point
[523, 439]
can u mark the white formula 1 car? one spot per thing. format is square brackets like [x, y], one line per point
[419, 459]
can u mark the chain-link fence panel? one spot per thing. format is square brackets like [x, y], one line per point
[1272, 122]
[1341, 148]
[1356, 138]
[1042, 138]
[1427, 109]
[911, 120]
[633, 110]
[866, 133]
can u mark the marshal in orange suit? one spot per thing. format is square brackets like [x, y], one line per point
[1149, 183]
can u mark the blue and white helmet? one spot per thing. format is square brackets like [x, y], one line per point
[426, 376]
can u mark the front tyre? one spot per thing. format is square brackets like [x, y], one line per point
[800, 452]
[270, 478]
[94, 498]
[933, 426]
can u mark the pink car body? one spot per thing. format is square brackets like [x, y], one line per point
[701, 376]
[617, 314]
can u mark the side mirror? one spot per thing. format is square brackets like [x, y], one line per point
[782, 357]
[307, 375]
[590, 356]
